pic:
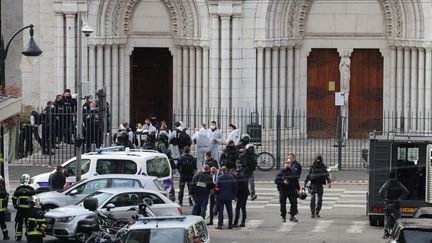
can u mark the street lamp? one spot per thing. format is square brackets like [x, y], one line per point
[87, 31]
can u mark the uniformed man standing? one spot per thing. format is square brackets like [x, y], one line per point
[22, 200]
[36, 222]
[392, 192]
[4, 198]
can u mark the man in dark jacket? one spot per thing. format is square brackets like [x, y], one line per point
[215, 174]
[21, 201]
[57, 180]
[4, 198]
[202, 184]
[287, 182]
[226, 192]
[229, 156]
[242, 195]
[186, 167]
[392, 192]
[36, 223]
[210, 161]
[318, 176]
[247, 165]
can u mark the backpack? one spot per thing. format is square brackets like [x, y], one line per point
[187, 167]
[37, 117]
[183, 138]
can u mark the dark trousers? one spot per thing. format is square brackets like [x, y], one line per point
[182, 183]
[213, 206]
[20, 219]
[316, 199]
[241, 205]
[228, 205]
[3, 221]
[391, 215]
[35, 239]
[200, 205]
[36, 135]
[292, 197]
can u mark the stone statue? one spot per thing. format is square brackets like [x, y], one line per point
[345, 72]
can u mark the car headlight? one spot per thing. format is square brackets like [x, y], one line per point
[65, 219]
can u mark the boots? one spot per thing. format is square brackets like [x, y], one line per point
[5, 235]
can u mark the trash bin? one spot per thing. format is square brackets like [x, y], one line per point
[254, 129]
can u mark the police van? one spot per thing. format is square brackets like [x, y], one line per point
[410, 156]
[113, 160]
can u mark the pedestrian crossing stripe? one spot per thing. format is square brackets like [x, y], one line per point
[357, 227]
[252, 225]
[322, 226]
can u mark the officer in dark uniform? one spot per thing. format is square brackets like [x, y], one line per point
[392, 192]
[202, 184]
[36, 222]
[318, 176]
[22, 200]
[4, 198]
[287, 182]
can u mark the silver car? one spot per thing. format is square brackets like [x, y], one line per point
[77, 192]
[62, 222]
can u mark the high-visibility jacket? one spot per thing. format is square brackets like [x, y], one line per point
[4, 198]
[36, 223]
[23, 196]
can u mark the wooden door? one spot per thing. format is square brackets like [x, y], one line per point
[366, 93]
[151, 84]
[323, 67]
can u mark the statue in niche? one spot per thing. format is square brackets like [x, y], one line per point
[345, 72]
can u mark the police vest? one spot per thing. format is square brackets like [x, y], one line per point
[24, 201]
[35, 226]
[3, 204]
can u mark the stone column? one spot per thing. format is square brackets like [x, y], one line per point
[282, 84]
[290, 85]
[225, 62]
[123, 116]
[205, 78]
[185, 87]
[393, 84]
[107, 76]
[99, 67]
[236, 77]
[260, 79]
[267, 86]
[214, 63]
[406, 86]
[115, 86]
[421, 90]
[127, 76]
[199, 83]
[296, 102]
[428, 89]
[70, 51]
[92, 67]
[60, 65]
[178, 85]
[275, 80]
[192, 86]
[413, 94]
[399, 84]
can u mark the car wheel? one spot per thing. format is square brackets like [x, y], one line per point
[373, 221]
[380, 220]
[47, 207]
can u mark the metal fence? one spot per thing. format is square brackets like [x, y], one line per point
[340, 140]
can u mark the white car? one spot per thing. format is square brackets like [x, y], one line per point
[175, 229]
[77, 192]
[62, 222]
[112, 161]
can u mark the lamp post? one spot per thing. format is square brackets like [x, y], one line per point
[87, 31]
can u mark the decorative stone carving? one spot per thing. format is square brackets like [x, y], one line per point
[345, 70]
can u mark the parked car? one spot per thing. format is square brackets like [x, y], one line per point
[424, 213]
[77, 192]
[175, 229]
[411, 231]
[111, 161]
[62, 222]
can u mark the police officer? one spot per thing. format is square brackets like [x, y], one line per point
[318, 176]
[287, 182]
[247, 165]
[202, 184]
[36, 222]
[392, 192]
[4, 198]
[22, 200]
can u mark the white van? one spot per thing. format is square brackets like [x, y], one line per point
[106, 161]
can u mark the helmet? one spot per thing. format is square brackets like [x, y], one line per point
[1, 178]
[36, 201]
[245, 138]
[250, 147]
[302, 195]
[25, 179]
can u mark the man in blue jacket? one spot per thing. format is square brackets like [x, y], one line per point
[226, 189]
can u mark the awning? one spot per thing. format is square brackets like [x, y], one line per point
[9, 106]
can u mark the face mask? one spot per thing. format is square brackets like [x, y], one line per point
[52, 106]
[213, 127]
[290, 160]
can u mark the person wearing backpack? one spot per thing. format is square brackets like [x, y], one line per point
[229, 156]
[186, 167]
[180, 138]
[247, 165]
[318, 176]
[202, 184]
[35, 121]
[176, 153]
[202, 142]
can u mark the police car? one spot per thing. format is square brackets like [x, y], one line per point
[173, 229]
[113, 160]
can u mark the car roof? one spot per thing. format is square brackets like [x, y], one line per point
[117, 190]
[183, 222]
[133, 152]
[410, 223]
[123, 176]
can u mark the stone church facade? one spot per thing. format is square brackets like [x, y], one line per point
[157, 56]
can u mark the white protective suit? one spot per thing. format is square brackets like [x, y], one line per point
[202, 141]
[234, 136]
[215, 140]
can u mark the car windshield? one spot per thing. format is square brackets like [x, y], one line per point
[175, 235]
[101, 197]
[416, 236]
[159, 167]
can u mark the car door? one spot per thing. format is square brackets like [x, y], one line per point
[159, 207]
[70, 171]
[122, 202]
[83, 190]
